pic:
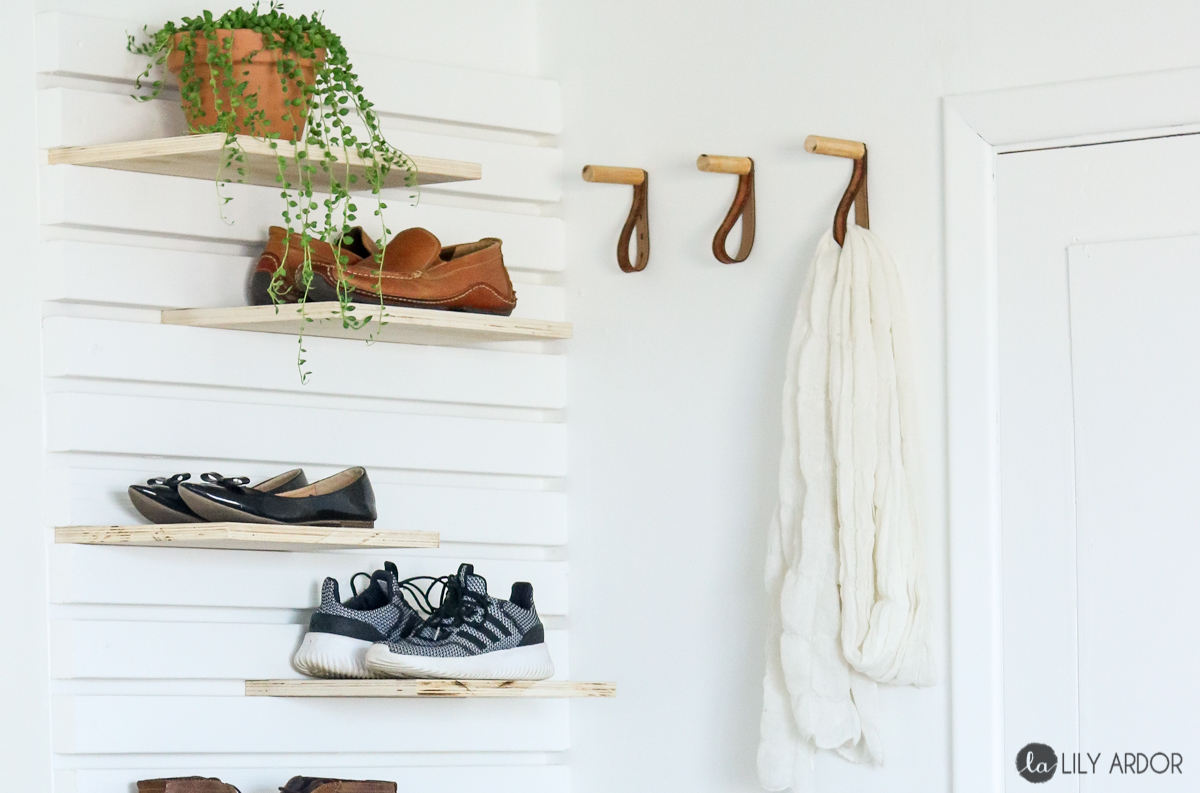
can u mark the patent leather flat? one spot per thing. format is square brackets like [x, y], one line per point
[159, 501]
[344, 499]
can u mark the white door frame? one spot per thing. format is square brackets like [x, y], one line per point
[977, 127]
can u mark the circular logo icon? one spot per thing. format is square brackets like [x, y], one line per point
[1037, 762]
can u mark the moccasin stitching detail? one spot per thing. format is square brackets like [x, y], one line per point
[419, 302]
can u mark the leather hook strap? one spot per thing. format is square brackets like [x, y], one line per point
[743, 206]
[639, 218]
[856, 193]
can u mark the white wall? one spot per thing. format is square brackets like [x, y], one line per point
[676, 371]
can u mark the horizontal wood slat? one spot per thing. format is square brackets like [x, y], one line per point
[109, 423]
[492, 779]
[156, 725]
[430, 689]
[467, 96]
[94, 47]
[526, 173]
[109, 129]
[78, 347]
[162, 278]
[243, 536]
[185, 577]
[458, 514]
[132, 276]
[120, 650]
[151, 204]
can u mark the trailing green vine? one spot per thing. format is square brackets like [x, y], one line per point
[330, 119]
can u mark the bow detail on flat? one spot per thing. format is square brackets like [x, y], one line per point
[232, 482]
[169, 482]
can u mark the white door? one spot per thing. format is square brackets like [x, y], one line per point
[1099, 331]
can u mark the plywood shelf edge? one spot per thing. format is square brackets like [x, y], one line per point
[200, 157]
[244, 536]
[402, 325]
[430, 688]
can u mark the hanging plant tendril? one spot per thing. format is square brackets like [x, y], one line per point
[320, 114]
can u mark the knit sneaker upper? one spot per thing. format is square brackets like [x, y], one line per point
[377, 614]
[470, 622]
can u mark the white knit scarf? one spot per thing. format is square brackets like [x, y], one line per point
[844, 583]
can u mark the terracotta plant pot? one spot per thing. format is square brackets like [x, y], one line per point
[257, 67]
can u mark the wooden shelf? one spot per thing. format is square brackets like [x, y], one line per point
[199, 157]
[404, 325]
[244, 536]
[428, 688]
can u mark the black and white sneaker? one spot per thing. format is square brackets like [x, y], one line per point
[339, 634]
[471, 636]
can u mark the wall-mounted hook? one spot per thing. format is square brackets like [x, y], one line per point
[743, 204]
[639, 213]
[856, 192]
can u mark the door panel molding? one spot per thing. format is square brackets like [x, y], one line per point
[977, 127]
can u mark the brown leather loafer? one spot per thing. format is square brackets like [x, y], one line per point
[287, 251]
[307, 784]
[185, 784]
[419, 272]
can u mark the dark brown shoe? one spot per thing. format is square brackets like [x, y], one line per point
[186, 784]
[419, 272]
[286, 251]
[308, 784]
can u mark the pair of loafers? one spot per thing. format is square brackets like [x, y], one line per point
[344, 499]
[414, 270]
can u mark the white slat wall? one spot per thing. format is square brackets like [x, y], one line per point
[149, 645]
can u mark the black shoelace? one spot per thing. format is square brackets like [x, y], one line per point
[422, 596]
[459, 604]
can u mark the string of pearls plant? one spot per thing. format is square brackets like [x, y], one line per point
[320, 109]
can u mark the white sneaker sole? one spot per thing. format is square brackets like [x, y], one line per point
[531, 662]
[331, 655]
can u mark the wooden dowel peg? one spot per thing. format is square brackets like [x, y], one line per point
[609, 174]
[639, 212]
[835, 147]
[856, 192]
[719, 163]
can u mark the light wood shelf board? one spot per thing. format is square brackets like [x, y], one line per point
[199, 157]
[244, 536]
[404, 325]
[429, 688]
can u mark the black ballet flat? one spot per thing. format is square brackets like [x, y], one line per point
[159, 502]
[344, 499]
